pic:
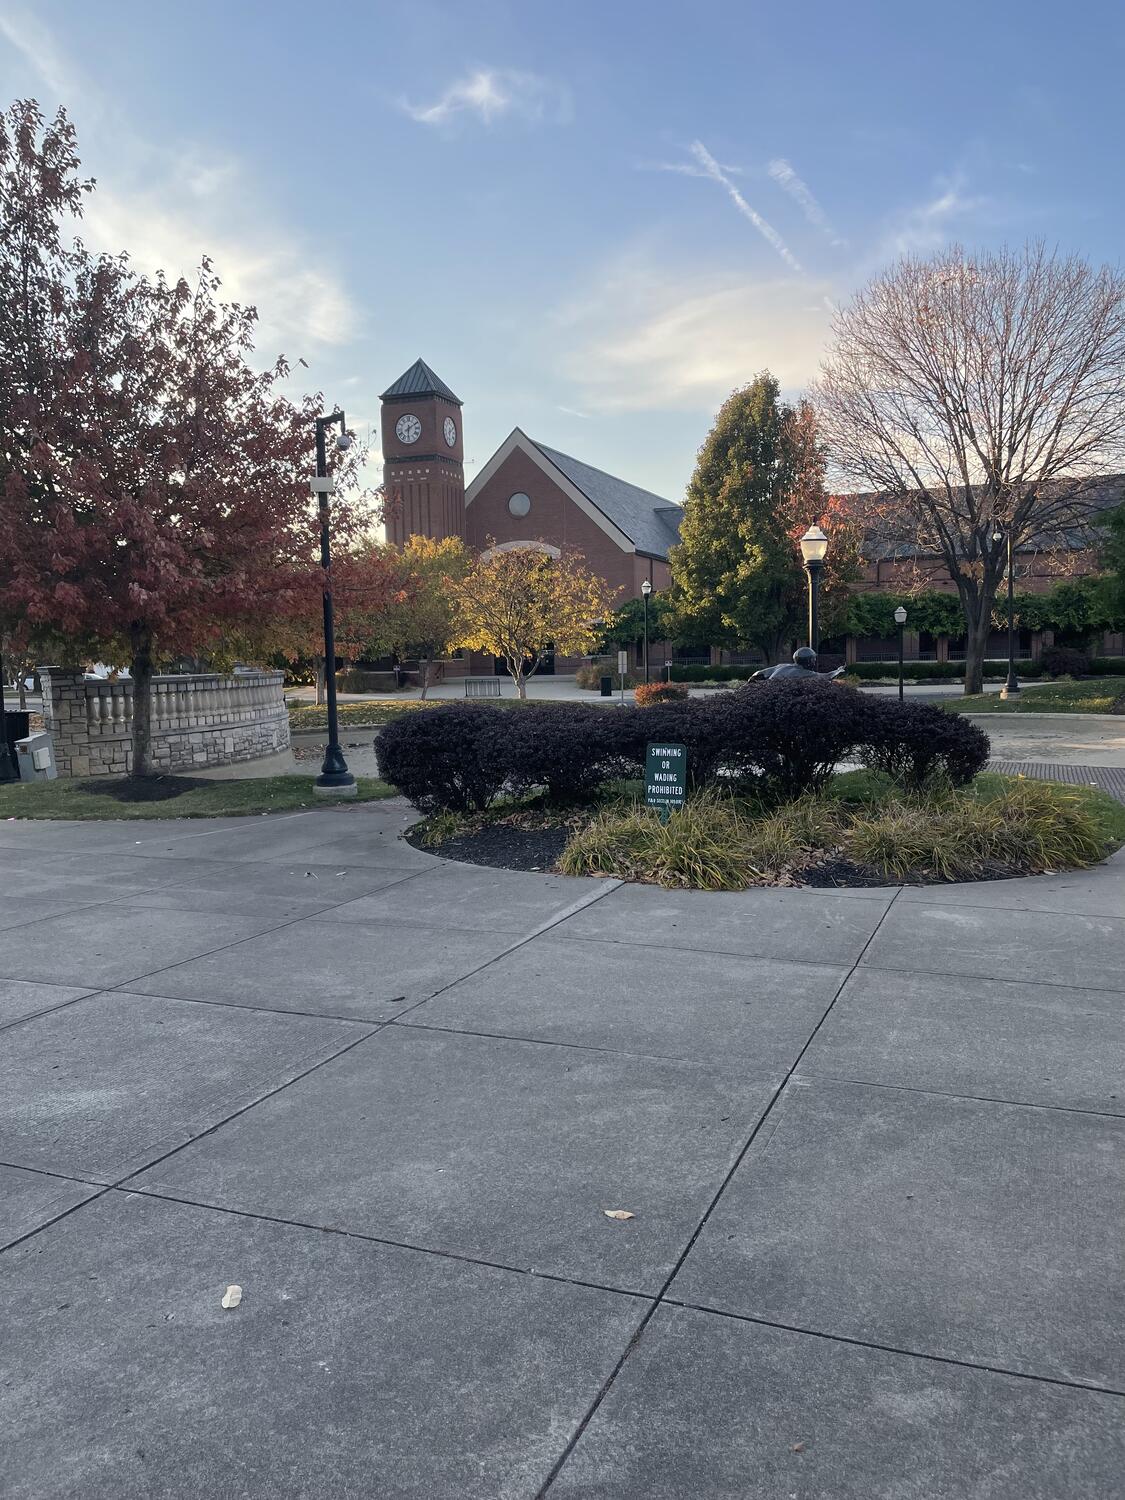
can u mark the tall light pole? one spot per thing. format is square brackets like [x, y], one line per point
[646, 590]
[1011, 688]
[335, 780]
[900, 621]
[814, 545]
[8, 771]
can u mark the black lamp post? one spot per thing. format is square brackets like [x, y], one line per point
[335, 780]
[8, 771]
[814, 545]
[646, 590]
[1011, 688]
[900, 621]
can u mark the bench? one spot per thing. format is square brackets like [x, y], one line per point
[482, 687]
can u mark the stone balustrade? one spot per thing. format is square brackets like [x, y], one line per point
[197, 721]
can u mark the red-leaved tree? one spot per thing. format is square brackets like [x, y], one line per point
[154, 485]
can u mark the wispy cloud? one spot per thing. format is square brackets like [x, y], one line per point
[189, 201]
[799, 190]
[712, 170]
[489, 94]
[929, 225]
[573, 412]
[685, 168]
[645, 337]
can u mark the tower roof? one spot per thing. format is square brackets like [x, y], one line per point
[419, 380]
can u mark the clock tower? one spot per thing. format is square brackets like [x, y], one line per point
[423, 457]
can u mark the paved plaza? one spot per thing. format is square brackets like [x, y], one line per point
[870, 1142]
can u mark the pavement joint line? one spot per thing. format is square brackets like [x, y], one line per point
[666, 944]
[1046, 984]
[48, 1010]
[377, 1239]
[371, 1023]
[251, 1104]
[551, 1041]
[907, 1088]
[941, 1359]
[638, 1332]
[48, 1223]
[19, 1166]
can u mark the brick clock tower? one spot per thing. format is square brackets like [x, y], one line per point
[423, 457]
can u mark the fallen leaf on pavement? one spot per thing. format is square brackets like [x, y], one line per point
[618, 1213]
[232, 1296]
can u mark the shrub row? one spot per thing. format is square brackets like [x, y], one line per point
[782, 737]
[994, 671]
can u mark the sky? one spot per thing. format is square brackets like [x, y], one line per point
[592, 220]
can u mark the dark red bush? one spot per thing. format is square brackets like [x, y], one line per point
[567, 748]
[1065, 661]
[915, 742]
[445, 758]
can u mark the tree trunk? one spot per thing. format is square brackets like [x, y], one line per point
[516, 669]
[23, 692]
[141, 670]
[976, 643]
[320, 681]
[424, 675]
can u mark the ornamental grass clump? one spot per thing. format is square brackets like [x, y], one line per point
[1027, 827]
[704, 846]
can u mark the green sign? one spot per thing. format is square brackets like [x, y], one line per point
[665, 776]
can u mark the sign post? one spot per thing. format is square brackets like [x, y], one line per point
[665, 777]
[622, 669]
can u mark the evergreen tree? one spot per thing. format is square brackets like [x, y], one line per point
[759, 482]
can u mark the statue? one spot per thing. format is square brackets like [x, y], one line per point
[803, 665]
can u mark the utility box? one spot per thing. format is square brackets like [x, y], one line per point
[35, 757]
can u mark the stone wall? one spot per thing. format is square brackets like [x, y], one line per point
[197, 721]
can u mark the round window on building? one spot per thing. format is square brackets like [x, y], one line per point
[519, 504]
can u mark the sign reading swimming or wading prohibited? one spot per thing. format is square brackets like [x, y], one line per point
[665, 777]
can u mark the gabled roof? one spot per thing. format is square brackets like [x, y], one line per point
[650, 522]
[419, 380]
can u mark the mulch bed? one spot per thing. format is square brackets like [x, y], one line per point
[502, 847]
[142, 788]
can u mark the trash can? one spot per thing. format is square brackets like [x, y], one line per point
[17, 725]
[35, 757]
[607, 687]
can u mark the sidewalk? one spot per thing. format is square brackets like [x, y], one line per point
[871, 1142]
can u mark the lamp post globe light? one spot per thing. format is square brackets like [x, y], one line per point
[1011, 688]
[814, 546]
[646, 590]
[900, 621]
[335, 780]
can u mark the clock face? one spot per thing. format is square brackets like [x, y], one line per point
[408, 429]
[450, 431]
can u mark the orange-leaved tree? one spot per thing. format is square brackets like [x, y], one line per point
[517, 602]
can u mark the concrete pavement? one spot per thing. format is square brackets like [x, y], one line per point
[871, 1141]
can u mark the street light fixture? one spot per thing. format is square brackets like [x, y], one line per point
[900, 621]
[1011, 688]
[646, 590]
[335, 780]
[814, 546]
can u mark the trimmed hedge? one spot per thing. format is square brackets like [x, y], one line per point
[445, 758]
[782, 738]
[1065, 661]
[939, 671]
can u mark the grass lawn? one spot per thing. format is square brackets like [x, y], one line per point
[1092, 695]
[214, 799]
[371, 713]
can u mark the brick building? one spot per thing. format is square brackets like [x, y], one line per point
[525, 495]
[528, 494]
